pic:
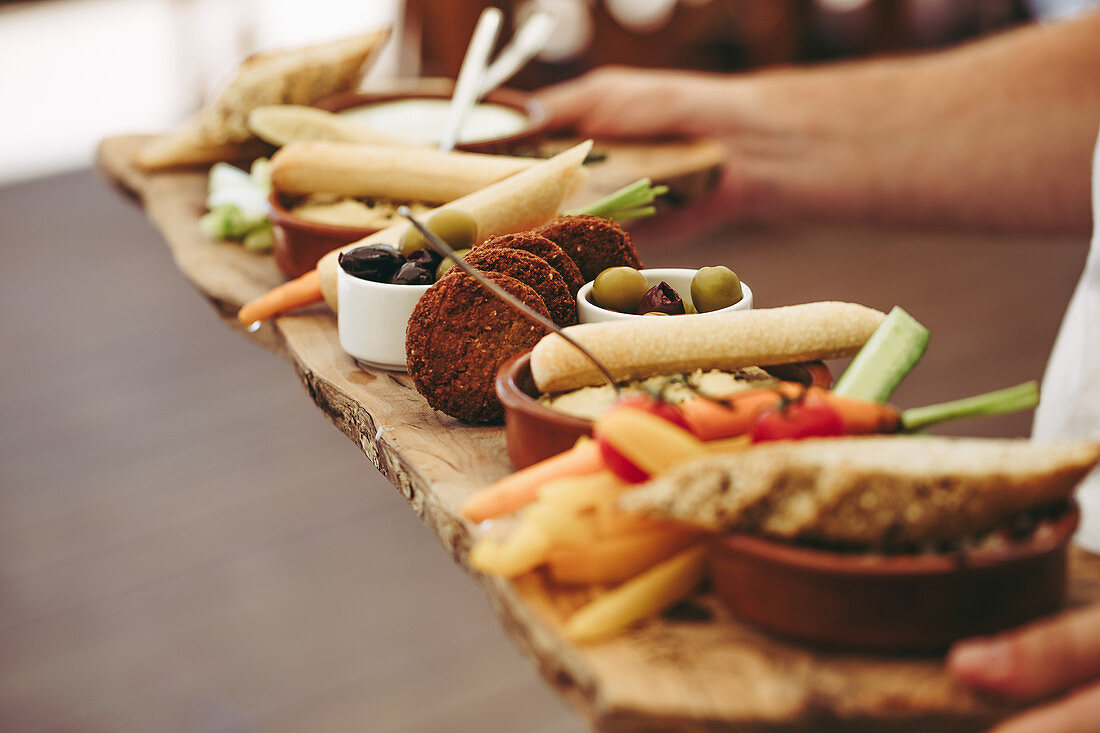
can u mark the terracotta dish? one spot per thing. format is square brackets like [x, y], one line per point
[535, 432]
[299, 243]
[906, 602]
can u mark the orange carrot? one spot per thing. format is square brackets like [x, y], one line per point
[620, 557]
[711, 420]
[861, 417]
[297, 293]
[519, 489]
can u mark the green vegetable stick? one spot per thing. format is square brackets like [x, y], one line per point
[631, 198]
[260, 239]
[1013, 399]
[892, 351]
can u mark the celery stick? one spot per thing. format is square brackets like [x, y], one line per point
[892, 351]
[212, 225]
[260, 175]
[259, 239]
[625, 214]
[628, 202]
[1013, 399]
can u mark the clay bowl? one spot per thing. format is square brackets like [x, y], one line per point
[893, 603]
[299, 243]
[535, 432]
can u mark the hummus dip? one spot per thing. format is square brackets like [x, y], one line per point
[347, 212]
[591, 402]
[422, 121]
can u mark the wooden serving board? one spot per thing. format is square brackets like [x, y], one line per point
[666, 675]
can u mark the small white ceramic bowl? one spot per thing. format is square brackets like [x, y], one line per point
[372, 317]
[678, 278]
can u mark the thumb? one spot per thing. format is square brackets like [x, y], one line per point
[1035, 661]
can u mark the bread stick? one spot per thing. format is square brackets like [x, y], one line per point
[394, 172]
[645, 347]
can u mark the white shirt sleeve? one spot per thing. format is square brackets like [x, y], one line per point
[1070, 402]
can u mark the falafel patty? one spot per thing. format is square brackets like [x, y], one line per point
[542, 247]
[593, 242]
[458, 336]
[530, 270]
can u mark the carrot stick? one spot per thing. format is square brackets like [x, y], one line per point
[297, 293]
[519, 489]
[711, 420]
[641, 596]
[861, 417]
[618, 558]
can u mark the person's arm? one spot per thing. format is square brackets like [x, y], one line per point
[1045, 659]
[997, 133]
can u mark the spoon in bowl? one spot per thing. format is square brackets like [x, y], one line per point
[471, 76]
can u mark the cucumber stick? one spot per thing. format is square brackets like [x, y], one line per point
[892, 351]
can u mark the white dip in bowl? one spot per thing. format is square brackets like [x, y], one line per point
[421, 121]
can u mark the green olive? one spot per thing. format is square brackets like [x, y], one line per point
[411, 241]
[619, 289]
[447, 263]
[457, 228]
[714, 288]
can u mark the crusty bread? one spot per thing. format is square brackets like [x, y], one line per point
[645, 347]
[299, 76]
[870, 491]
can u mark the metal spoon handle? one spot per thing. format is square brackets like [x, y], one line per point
[470, 76]
[524, 46]
[445, 250]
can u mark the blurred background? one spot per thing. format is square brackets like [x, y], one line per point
[185, 542]
[79, 70]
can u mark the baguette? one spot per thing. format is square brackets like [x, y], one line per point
[645, 347]
[299, 76]
[869, 491]
[396, 173]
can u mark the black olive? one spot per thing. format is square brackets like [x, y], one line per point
[413, 273]
[427, 257]
[376, 262]
[661, 298]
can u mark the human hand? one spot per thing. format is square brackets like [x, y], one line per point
[617, 101]
[622, 102]
[1056, 655]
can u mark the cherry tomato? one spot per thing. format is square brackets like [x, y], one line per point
[797, 419]
[620, 465]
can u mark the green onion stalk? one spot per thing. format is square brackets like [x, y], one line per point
[629, 202]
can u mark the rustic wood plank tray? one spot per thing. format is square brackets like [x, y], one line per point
[666, 675]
